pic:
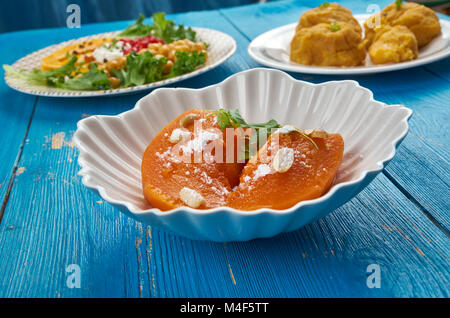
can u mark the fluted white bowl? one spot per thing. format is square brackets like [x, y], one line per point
[111, 147]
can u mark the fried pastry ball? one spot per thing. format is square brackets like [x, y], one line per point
[422, 21]
[393, 44]
[327, 13]
[328, 44]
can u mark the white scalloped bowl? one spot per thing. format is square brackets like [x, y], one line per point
[111, 148]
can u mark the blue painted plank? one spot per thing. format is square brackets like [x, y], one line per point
[328, 258]
[254, 20]
[422, 162]
[61, 223]
[15, 114]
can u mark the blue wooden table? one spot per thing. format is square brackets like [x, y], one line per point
[50, 220]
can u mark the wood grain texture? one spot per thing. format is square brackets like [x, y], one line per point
[15, 114]
[421, 166]
[57, 225]
[51, 220]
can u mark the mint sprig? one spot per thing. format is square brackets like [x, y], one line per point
[233, 119]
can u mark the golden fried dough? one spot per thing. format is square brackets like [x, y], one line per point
[325, 44]
[327, 13]
[393, 44]
[422, 21]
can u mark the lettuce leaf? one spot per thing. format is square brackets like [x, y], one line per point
[94, 79]
[187, 62]
[168, 31]
[137, 29]
[140, 69]
[50, 77]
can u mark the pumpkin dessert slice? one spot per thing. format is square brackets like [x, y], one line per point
[180, 167]
[292, 166]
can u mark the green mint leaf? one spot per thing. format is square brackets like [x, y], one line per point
[335, 26]
[236, 117]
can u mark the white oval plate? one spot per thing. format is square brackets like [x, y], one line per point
[272, 49]
[111, 148]
[221, 47]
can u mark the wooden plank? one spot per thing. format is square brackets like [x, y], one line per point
[119, 257]
[15, 114]
[254, 20]
[16, 108]
[440, 69]
[420, 167]
[328, 258]
[52, 221]
[275, 275]
[60, 221]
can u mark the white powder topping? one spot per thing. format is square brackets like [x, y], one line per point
[167, 164]
[261, 171]
[205, 178]
[163, 155]
[246, 178]
[191, 197]
[199, 142]
[222, 191]
[283, 159]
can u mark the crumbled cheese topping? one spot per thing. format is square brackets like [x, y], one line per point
[283, 159]
[108, 53]
[179, 135]
[191, 197]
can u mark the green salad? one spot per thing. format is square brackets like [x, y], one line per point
[140, 54]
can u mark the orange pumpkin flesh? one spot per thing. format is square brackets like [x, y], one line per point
[60, 57]
[163, 177]
[310, 176]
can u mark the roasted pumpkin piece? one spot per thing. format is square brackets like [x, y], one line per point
[180, 167]
[81, 49]
[289, 168]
